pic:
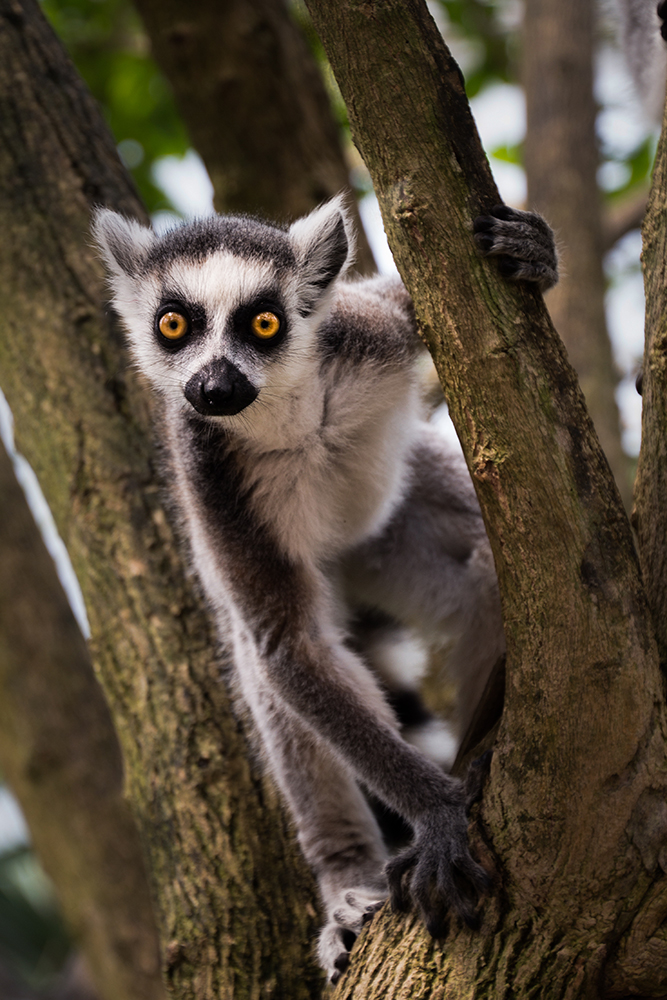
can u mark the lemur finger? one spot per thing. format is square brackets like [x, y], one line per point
[341, 964]
[370, 911]
[396, 871]
[333, 950]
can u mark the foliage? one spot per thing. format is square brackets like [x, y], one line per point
[107, 44]
[33, 939]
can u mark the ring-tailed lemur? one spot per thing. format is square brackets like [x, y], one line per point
[310, 490]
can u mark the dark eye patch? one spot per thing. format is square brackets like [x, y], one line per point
[194, 313]
[240, 322]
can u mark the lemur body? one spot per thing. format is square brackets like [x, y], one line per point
[311, 491]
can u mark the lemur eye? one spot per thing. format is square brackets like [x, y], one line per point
[173, 325]
[265, 325]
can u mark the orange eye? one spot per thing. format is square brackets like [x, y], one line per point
[265, 325]
[173, 325]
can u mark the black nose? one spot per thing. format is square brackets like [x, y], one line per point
[219, 390]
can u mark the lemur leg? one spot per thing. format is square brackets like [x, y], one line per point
[433, 569]
[336, 829]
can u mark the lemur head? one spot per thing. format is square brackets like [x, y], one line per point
[222, 312]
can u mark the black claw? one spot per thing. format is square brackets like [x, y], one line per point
[482, 224]
[342, 962]
[639, 381]
[437, 926]
[504, 212]
[370, 912]
[507, 266]
[348, 937]
[334, 979]
[484, 241]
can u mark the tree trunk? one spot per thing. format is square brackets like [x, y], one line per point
[64, 764]
[561, 159]
[573, 813]
[651, 485]
[253, 100]
[234, 901]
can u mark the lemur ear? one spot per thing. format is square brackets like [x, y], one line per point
[123, 242]
[324, 246]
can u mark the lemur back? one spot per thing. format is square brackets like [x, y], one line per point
[314, 496]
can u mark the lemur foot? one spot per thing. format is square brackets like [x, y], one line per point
[438, 873]
[346, 916]
[523, 243]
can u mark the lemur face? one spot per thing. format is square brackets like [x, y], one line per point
[221, 313]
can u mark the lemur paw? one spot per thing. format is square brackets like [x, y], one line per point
[438, 873]
[522, 242]
[346, 916]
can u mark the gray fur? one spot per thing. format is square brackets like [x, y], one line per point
[645, 52]
[325, 498]
[523, 244]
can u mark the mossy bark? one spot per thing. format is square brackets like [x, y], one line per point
[60, 754]
[234, 902]
[572, 818]
[253, 100]
[562, 160]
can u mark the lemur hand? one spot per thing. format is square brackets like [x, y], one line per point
[523, 243]
[438, 873]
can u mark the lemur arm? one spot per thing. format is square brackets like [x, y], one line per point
[375, 318]
[318, 678]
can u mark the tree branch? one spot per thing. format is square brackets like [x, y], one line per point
[651, 484]
[561, 157]
[64, 764]
[583, 695]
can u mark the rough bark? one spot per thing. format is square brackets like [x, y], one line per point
[234, 902]
[64, 764]
[253, 101]
[561, 158]
[651, 486]
[573, 813]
